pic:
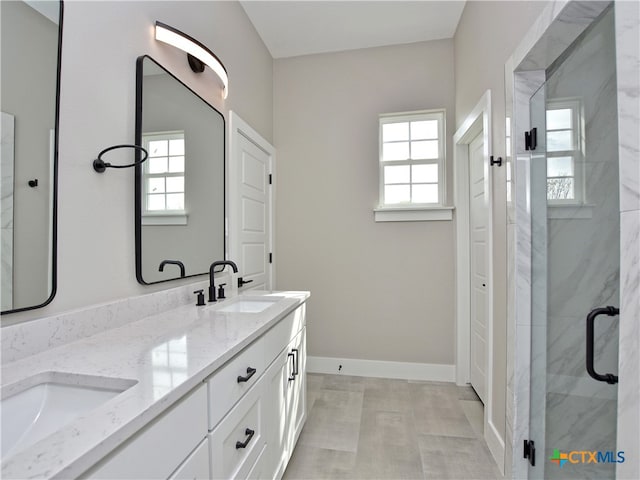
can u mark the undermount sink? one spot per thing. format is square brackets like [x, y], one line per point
[48, 402]
[249, 305]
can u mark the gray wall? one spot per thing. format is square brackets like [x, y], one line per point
[381, 291]
[29, 51]
[101, 42]
[487, 34]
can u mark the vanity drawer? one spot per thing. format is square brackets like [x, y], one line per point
[237, 442]
[258, 471]
[282, 333]
[159, 448]
[226, 386]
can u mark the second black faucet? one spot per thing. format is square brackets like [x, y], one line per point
[212, 284]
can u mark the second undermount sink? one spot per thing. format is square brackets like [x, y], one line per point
[47, 404]
[249, 305]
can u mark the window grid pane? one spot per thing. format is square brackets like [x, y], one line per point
[410, 160]
[164, 172]
[395, 151]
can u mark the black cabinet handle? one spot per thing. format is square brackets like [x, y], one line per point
[293, 368]
[610, 378]
[296, 365]
[250, 373]
[249, 433]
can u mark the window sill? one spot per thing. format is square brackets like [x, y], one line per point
[566, 212]
[165, 219]
[412, 214]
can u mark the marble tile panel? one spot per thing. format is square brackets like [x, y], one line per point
[525, 86]
[7, 143]
[6, 268]
[580, 423]
[556, 28]
[629, 358]
[627, 21]
[521, 399]
[566, 345]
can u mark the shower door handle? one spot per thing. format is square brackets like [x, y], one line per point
[611, 312]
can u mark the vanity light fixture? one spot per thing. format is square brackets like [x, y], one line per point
[197, 54]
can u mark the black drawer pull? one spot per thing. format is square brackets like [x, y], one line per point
[249, 434]
[296, 371]
[293, 367]
[250, 373]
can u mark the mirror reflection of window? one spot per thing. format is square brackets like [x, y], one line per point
[565, 163]
[163, 181]
[170, 364]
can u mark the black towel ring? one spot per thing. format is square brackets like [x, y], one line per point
[100, 165]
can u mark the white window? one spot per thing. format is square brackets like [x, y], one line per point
[565, 163]
[163, 179]
[412, 158]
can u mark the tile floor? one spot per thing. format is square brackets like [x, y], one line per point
[371, 428]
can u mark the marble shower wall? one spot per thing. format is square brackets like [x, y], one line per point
[556, 28]
[6, 215]
[582, 256]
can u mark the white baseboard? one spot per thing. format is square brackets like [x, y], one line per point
[381, 369]
[496, 445]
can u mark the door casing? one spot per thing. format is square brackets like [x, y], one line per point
[237, 128]
[478, 121]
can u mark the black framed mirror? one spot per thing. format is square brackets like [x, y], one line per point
[30, 102]
[180, 189]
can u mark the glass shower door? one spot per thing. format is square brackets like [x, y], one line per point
[575, 230]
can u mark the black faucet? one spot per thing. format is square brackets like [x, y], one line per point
[212, 284]
[172, 262]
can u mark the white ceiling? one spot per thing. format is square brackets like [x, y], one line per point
[293, 27]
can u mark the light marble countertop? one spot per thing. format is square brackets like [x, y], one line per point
[167, 354]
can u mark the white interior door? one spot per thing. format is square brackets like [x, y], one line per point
[479, 255]
[251, 205]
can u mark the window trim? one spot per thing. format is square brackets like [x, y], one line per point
[387, 212]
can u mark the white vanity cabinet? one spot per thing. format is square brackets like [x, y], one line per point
[242, 423]
[285, 394]
[171, 443]
[273, 409]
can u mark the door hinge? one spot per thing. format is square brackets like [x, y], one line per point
[530, 451]
[493, 162]
[270, 179]
[271, 258]
[531, 139]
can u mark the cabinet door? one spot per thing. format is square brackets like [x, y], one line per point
[275, 382]
[296, 395]
[160, 447]
[299, 411]
[196, 467]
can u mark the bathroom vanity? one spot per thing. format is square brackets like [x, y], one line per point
[200, 392]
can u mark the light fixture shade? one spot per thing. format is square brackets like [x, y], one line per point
[173, 36]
